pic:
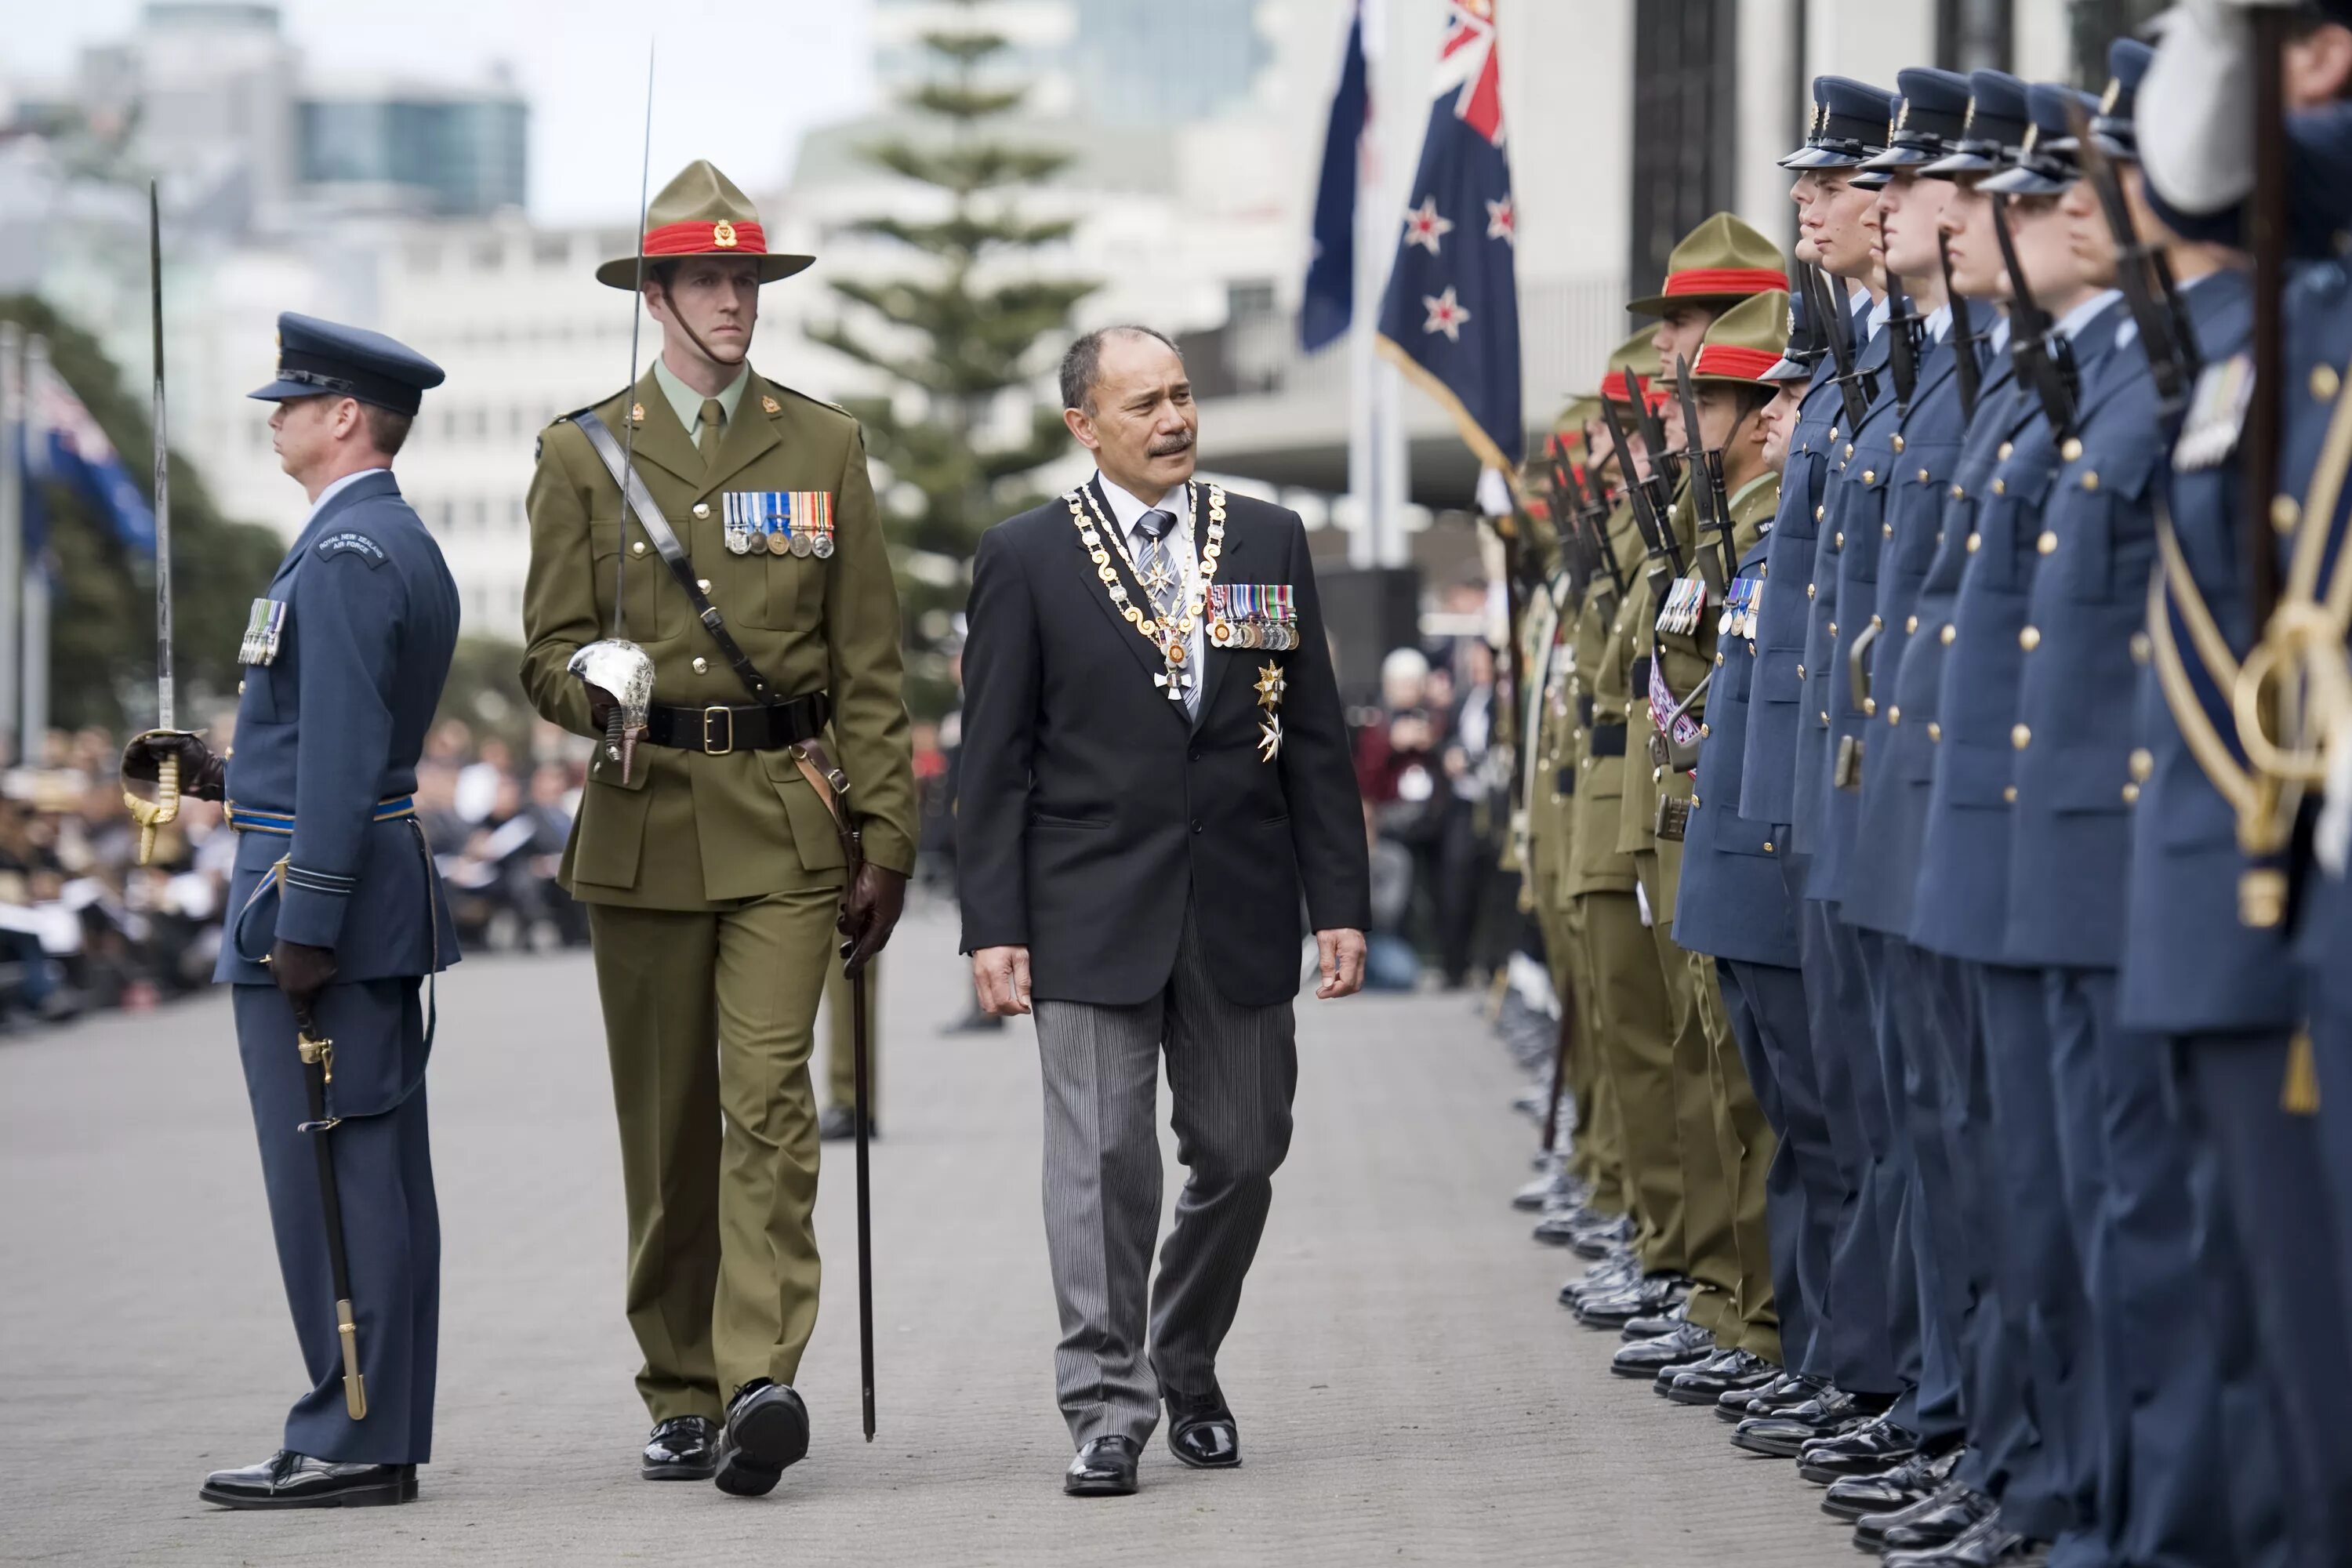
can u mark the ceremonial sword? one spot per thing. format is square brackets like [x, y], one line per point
[151, 814]
[317, 1053]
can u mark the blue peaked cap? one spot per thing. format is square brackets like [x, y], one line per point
[1848, 126]
[1930, 107]
[1995, 122]
[319, 358]
[2049, 159]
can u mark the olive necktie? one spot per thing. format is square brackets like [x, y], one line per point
[714, 417]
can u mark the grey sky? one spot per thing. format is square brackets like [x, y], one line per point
[736, 81]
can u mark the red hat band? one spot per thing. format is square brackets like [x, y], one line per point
[1720, 280]
[720, 239]
[1733, 362]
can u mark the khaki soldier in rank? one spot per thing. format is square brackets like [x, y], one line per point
[709, 855]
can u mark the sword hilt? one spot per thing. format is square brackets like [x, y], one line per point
[149, 815]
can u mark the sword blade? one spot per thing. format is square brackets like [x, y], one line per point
[636, 323]
[166, 685]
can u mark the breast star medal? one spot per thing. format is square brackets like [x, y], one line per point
[1270, 687]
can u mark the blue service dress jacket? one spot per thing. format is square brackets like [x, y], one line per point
[1767, 782]
[2188, 963]
[1733, 901]
[1858, 450]
[1877, 827]
[1963, 896]
[329, 727]
[2080, 781]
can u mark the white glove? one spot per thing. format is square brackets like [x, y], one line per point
[2195, 112]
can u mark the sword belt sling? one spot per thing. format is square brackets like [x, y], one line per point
[829, 783]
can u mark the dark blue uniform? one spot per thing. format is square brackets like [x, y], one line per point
[330, 722]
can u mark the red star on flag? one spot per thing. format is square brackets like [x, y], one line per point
[1446, 315]
[1503, 222]
[1423, 228]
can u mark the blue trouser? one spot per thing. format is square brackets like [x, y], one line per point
[2262, 1167]
[2042, 1339]
[392, 1228]
[1767, 1004]
[1873, 1332]
[2165, 1461]
[1918, 1064]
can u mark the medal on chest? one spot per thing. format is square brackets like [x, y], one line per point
[265, 624]
[779, 522]
[1171, 637]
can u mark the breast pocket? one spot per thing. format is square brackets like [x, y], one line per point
[792, 598]
[1916, 506]
[266, 693]
[2106, 526]
[657, 610]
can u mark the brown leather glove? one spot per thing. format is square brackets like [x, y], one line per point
[870, 908]
[302, 972]
[203, 774]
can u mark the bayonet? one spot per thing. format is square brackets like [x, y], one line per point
[1657, 533]
[2045, 359]
[1903, 326]
[1713, 507]
[1594, 512]
[1840, 343]
[1662, 463]
[2145, 278]
[1966, 367]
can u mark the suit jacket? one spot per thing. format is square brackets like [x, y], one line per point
[1094, 811]
[688, 830]
[329, 727]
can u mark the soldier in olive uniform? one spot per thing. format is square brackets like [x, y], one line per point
[712, 867]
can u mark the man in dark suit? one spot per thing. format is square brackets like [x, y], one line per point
[1155, 780]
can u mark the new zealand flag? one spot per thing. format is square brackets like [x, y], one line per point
[1330, 305]
[1451, 315]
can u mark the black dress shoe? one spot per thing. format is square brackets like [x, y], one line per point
[1104, 1468]
[289, 1479]
[1709, 1382]
[1646, 1358]
[1950, 1512]
[682, 1449]
[1981, 1545]
[1871, 1449]
[767, 1429]
[1201, 1432]
[1912, 1481]
[1650, 1328]
[1605, 1278]
[1651, 1294]
[1784, 1434]
[839, 1124]
[1599, 1239]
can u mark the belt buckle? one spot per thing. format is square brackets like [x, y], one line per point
[718, 710]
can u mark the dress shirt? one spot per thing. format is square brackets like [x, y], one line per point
[686, 403]
[1127, 511]
[340, 486]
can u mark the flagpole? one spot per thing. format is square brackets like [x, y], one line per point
[27, 609]
[1363, 363]
[14, 426]
[1384, 387]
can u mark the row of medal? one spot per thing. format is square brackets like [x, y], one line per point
[781, 522]
[1741, 599]
[1685, 603]
[1252, 615]
[265, 625]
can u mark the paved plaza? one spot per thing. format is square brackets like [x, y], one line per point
[1407, 1389]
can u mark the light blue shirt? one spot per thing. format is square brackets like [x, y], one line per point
[340, 486]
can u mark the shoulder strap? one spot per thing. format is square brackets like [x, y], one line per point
[673, 554]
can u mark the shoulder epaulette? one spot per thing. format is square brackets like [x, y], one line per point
[539, 446]
[805, 397]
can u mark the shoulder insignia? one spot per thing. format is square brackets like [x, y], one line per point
[349, 543]
[569, 414]
[636, 413]
[771, 405]
[774, 408]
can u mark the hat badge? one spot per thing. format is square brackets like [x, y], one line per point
[2113, 96]
[2033, 135]
[722, 234]
[1903, 114]
[1968, 119]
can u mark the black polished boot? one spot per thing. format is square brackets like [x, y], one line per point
[289, 1479]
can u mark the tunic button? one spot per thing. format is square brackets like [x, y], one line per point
[1869, 707]
[2021, 737]
[1704, 731]
[2000, 486]
[1800, 672]
[2009, 795]
[2324, 383]
[1767, 847]
[2006, 449]
[2139, 647]
[1934, 731]
[702, 666]
[228, 751]
[2047, 544]
[1196, 826]
[638, 548]
[2143, 763]
[1809, 589]
[1718, 658]
[240, 688]
[703, 583]
[1956, 491]
[2072, 450]
[1833, 628]
[1948, 633]
[1848, 448]
[2030, 638]
[2284, 513]
[1898, 443]
[1839, 542]
[1974, 542]
[702, 509]
[1910, 624]
[1923, 475]
[2131, 795]
[1817, 513]
[2090, 482]
[1895, 715]
[1870, 476]
[1885, 530]
[1876, 625]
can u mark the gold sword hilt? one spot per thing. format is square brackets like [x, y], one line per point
[151, 814]
[354, 1384]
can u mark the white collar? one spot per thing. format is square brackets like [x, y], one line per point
[1998, 339]
[2070, 325]
[340, 486]
[1128, 510]
[1880, 310]
[1938, 321]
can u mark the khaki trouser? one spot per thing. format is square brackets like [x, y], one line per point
[1710, 1255]
[1748, 1144]
[1595, 1160]
[840, 1054]
[709, 1016]
[1634, 1026]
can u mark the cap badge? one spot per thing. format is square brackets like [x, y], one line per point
[2033, 135]
[771, 405]
[1903, 115]
[722, 234]
[1968, 119]
[2113, 96]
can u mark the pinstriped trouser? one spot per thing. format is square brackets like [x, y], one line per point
[1232, 1070]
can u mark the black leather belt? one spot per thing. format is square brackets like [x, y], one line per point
[745, 727]
[1608, 741]
[1585, 708]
